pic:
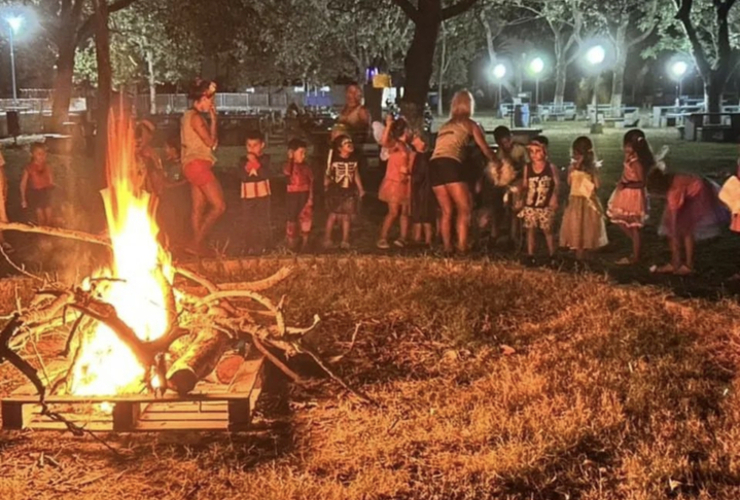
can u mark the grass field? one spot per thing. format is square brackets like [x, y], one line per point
[494, 381]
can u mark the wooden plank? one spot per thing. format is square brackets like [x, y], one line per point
[131, 398]
[14, 415]
[125, 415]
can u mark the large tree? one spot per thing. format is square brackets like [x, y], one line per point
[427, 16]
[627, 23]
[568, 21]
[711, 27]
[67, 24]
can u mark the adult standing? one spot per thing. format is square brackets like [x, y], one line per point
[447, 168]
[199, 140]
[354, 117]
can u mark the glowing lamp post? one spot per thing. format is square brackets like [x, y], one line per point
[536, 67]
[15, 23]
[678, 70]
[499, 72]
[595, 57]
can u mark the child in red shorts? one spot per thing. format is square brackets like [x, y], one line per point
[37, 186]
[299, 197]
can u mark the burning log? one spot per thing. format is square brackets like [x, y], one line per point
[198, 361]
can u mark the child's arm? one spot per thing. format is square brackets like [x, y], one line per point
[358, 181]
[24, 185]
[386, 140]
[556, 189]
[51, 176]
[288, 168]
[310, 189]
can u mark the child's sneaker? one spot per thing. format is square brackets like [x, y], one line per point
[345, 245]
[383, 244]
[399, 243]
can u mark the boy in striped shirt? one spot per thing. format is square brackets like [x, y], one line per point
[255, 195]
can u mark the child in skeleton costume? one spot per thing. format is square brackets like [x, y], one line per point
[343, 187]
[583, 220]
[541, 182]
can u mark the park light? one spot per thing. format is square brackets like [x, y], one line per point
[596, 55]
[15, 23]
[679, 68]
[537, 65]
[499, 71]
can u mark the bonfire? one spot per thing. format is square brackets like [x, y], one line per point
[141, 323]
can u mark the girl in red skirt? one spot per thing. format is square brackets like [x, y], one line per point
[395, 189]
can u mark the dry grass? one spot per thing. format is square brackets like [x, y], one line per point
[494, 382]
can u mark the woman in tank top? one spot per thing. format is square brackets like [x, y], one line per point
[447, 168]
[199, 140]
[354, 116]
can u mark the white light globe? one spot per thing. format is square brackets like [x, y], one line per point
[15, 22]
[679, 68]
[499, 71]
[596, 55]
[537, 65]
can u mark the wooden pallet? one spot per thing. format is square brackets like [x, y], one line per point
[210, 407]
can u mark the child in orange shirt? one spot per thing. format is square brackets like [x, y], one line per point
[299, 197]
[37, 186]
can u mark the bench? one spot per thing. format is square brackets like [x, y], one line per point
[712, 127]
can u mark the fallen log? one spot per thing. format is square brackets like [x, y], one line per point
[198, 361]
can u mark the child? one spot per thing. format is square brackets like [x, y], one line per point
[151, 170]
[299, 198]
[255, 195]
[423, 201]
[172, 163]
[37, 186]
[3, 198]
[343, 188]
[693, 212]
[628, 204]
[541, 182]
[583, 221]
[395, 189]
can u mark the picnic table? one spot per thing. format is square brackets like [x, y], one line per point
[713, 127]
[523, 135]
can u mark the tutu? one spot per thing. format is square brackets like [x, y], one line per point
[700, 214]
[583, 224]
[392, 191]
[628, 207]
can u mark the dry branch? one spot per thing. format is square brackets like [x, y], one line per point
[55, 231]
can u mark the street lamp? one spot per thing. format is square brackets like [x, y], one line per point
[596, 55]
[678, 70]
[536, 67]
[499, 72]
[15, 23]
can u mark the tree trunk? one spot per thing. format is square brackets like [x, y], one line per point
[152, 83]
[440, 83]
[618, 82]
[561, 72]
[419, 64]
[63, 81]
[714, 85]
[105, 85]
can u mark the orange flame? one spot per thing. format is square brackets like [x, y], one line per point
[141, 268]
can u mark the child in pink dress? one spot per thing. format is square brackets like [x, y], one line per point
[693, 212]
[395, 189]
[735, 224]
[628, 204]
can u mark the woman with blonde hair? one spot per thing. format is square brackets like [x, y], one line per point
[447, 168]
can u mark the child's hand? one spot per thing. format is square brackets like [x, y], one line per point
[362, 193]
[24, 204]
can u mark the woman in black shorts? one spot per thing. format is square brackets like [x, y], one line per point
[447, 172]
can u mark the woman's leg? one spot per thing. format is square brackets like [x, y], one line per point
[214, 198]
[460, 195]
[394, 210]
[445, 223]
[196, 214]
[688, 243]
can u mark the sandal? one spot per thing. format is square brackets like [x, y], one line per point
[684, 270]
[665, 269]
